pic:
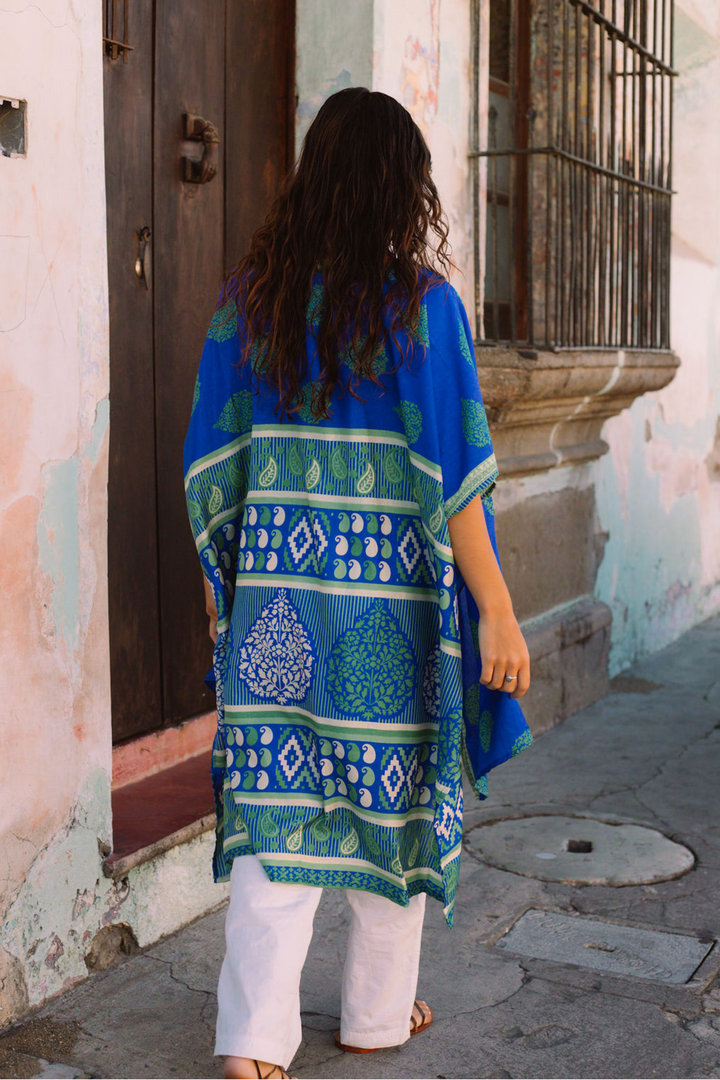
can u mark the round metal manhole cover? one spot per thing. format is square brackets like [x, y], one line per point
[580, 850]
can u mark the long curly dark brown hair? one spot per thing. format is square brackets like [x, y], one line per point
[361, 206]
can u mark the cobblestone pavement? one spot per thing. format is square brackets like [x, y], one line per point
[649, 753]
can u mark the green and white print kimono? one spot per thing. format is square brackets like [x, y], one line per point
[347, 668]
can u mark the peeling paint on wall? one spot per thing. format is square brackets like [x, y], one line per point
[59, 547]
[418, 51]
[66, 901]
[54, 680]
[421, 56]
[420, 71]
[334, 51]
[660, 572]
[658, 489]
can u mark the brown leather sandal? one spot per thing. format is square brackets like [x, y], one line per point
[276, 1073]
[426, 1017]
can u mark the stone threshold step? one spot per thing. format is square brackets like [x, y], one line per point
[159, 812]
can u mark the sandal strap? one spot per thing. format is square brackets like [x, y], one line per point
[424, 1016]
[274, 1074]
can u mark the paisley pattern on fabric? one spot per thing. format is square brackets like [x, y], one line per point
[347, 668]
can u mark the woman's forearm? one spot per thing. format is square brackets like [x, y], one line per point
[474, 556]
[502, 646]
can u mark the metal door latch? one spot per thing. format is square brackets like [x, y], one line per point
[204, 169]
[142, 263]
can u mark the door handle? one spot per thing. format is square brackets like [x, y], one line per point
[143, 265]
[198, 129]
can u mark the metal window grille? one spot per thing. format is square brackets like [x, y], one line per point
[575, 173]
[115, 29]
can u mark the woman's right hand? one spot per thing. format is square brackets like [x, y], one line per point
[502, 646]
[503, 652]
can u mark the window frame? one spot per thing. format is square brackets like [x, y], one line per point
[590, 175]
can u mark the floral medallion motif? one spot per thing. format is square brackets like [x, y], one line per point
[471, 703]
[223, 324]
[276, 657]
[485, 729]
[236, 416]
[523, 740]
[464, 347]
[371, 667]
[431, 683]
[474, 423]
[196, 395]
[411, 418]
[304, 403]
[420, 331]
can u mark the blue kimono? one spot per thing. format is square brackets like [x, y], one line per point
[347, 664]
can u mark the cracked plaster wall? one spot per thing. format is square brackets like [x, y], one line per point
[66, 900]
[54, 685]
[417, 51]
[659, 487]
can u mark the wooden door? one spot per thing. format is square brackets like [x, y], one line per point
[230, 62]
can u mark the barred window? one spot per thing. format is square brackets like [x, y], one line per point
[573, 173]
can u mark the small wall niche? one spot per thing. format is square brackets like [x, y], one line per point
[12, 127]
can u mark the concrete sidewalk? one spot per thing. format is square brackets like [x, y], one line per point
[649, 753]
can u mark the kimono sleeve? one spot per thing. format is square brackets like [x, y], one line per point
[465, 447]
[494, 727]
[216, 457]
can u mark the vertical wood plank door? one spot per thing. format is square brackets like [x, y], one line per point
[189, 263]
[232, 64]
[134, 598]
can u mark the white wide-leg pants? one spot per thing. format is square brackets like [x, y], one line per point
[267, 934]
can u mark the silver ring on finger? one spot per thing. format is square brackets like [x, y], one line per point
[510, 678]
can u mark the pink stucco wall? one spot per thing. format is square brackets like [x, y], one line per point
[659, 487]
[54, 688]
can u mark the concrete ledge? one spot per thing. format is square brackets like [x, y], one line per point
[118, 867]
[548, 408]
[169, 889]
[569, 652]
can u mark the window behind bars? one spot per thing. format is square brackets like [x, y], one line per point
[577, 173]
